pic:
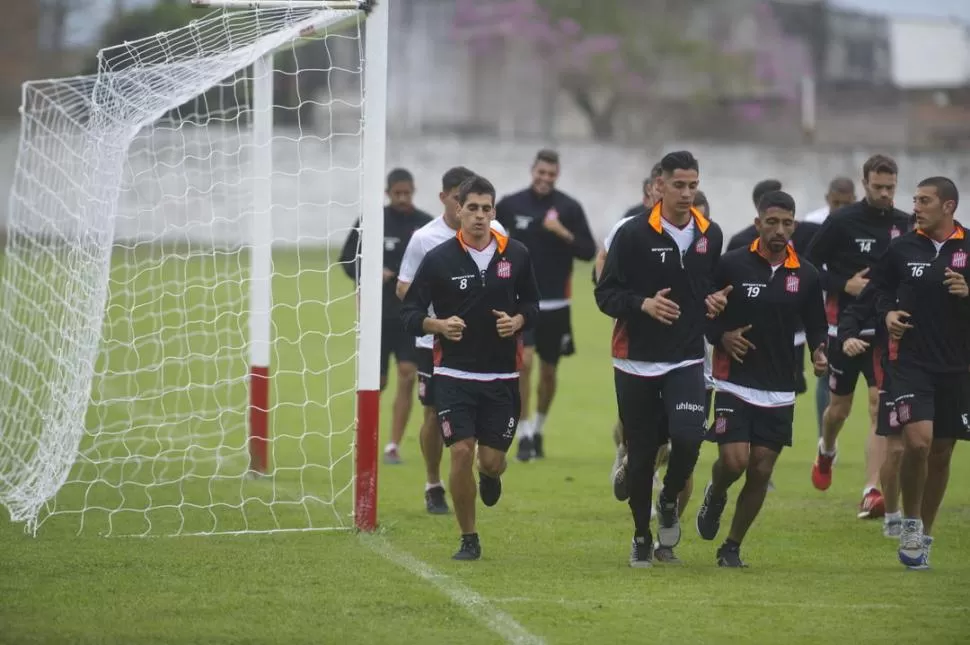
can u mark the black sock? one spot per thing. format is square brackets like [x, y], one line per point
[683, 458]
[732, 545]
[470, 536]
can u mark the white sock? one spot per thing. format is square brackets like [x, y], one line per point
[892, 518]
[538, 421]
[821, 449]
[429, 486]
[524, 430]
[390, 446]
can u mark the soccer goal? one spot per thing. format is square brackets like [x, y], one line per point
[182, 351]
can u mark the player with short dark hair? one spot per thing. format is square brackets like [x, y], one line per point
[436, 232]
[401, 220]
[553, 226]
[844, 250]
[656, 284]
[484, 295]
[743, 238]
[922, 295]
[773, 295]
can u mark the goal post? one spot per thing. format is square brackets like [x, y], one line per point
[176, 319]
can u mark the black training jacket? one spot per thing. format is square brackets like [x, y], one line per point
[399, 226]
[850, 240]
[776, 304]
[909, 277]
[642, 260]
[522, 215]
[449, 279]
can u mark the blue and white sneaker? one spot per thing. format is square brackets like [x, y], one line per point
[927, 544]
[912, 548]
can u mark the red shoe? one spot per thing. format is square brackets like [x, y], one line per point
[872, 506]
[822, 471]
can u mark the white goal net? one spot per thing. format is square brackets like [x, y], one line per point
[143, 196]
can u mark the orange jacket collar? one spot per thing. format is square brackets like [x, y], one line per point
[700, 221]
[958, 233]
[791, 259]
[501, 240]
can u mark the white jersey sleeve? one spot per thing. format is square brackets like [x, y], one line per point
[817, 216]
[612, 233]
[413, 255]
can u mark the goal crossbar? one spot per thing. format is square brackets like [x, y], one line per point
[359, 5]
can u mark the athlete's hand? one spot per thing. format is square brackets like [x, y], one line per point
[661, 308]
[854, 347]
[820, 362]
[507, 325]
[896, 323]
[388, 275]
[554, 225]
[735, 344]
[452, 328]
[956, 283]
[717, 301]
[857, 283]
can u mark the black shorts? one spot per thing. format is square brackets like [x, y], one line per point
[844, 370]
[487, 411]
[552, 335]
[737, 421]
[887, 422]
[800, 385]
[425, 360]
[943, 399]
[668, 405]
[394, 340]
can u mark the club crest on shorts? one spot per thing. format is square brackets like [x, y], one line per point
[791, 284]
[894, 232]
[701, 245]
[833, 382]
[893, 418]
[959, 260]
[720, 426]
[903, 413]
[445, 428]
[504, 269]
[422, 388]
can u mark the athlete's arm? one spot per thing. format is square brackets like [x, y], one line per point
[417, 299]
[527, 293]
[413, 255]
[821, 251]
[348, 254]
[583, 246]
[613, 296]
[813, 314]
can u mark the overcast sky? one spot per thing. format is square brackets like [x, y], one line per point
[85, 24]
[929, 8]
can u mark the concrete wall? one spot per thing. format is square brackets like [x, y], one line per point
[206, 200]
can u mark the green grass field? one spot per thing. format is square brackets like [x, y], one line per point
[555, 549]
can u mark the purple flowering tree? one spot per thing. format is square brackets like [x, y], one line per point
[605, 53]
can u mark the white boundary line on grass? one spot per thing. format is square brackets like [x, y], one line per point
[476, 605]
